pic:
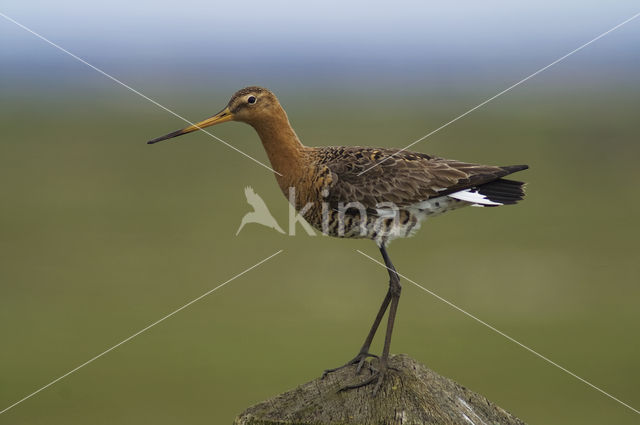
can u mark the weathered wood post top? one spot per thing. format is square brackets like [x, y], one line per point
[411, 395]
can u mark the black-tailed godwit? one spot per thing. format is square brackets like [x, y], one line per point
[364, 192]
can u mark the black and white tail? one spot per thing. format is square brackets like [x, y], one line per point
[495, 193]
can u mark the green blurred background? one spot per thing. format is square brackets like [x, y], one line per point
[101, 235]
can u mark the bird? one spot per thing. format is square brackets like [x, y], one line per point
[260, 213]
[364, 192]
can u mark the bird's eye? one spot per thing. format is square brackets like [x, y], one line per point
[251, 99]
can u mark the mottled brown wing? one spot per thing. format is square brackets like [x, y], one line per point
[404, 179]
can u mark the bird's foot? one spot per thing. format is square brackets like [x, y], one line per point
[377, 377]
[359, 359]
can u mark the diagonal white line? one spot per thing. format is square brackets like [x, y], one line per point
[140, 331]
[531, 350]
[8, 18]
[503, 92]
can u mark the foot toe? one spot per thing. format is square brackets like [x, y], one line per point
[360, 360]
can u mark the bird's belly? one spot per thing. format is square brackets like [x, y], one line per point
[383, 224]
[437, 206]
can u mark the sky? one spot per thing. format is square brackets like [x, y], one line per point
[194, 27]
[356, 39]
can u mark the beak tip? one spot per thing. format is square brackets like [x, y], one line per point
[165, 137]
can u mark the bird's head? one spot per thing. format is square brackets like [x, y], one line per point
[251, 105]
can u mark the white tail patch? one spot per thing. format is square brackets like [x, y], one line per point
[474, 197]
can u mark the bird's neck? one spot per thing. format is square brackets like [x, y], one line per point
[283, 148]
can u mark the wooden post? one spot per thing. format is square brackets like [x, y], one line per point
[410, 395]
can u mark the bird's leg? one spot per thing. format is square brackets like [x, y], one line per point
[360, 358]
[394, 294]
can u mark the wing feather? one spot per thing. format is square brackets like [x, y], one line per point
[404, 179]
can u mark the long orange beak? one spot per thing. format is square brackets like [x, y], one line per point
[222, 116]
